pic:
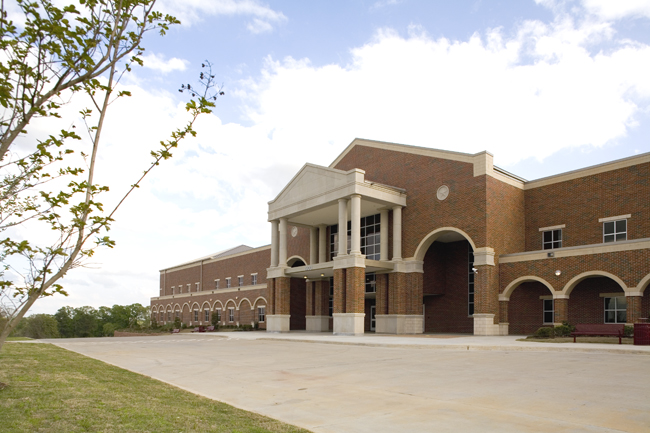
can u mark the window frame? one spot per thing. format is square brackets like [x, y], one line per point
[228, 282]
[261, 314]
[615, 233]
[206, 315]
[616, 310]
[551, 245]
[240, 280]
[253, 279]
[231, 314]
[470, 280]
[216, 284]
[546, 310]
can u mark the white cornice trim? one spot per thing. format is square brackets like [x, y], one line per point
[614, 218]
[545, 229]
[205, 262]
[210, 292]
[637, 244]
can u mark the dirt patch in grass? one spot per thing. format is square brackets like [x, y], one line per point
[599, 340]
[44, 388]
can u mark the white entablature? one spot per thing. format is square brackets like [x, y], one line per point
[311, 196]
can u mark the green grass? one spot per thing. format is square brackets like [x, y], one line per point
[18, 338]
[49, 389]
[599, 340]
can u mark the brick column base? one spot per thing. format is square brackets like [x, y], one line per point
[560, 311]
[280, 320]
[633, 308]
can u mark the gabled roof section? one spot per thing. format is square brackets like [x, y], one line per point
[218, 255]
[314, 187]
[482, 161]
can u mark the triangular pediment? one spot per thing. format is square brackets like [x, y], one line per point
[311, 181]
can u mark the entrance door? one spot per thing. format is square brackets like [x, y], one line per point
[372, 318]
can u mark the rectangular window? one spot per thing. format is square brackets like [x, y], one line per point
[228, 283]
[470, 283]
[216, 284]
[240, 280]
[548, 311]
[231, 314]
[370, 236]
[615, 231]
[218, 313]
[261, 313]
[371, 283]
[616, 310]
[552, 239]
[253, 279]
[331, 306]
[206, 316]
[198, 285]
[169, 316]
[189, 287]
[196, 315]
[173, 290]
[178, 314]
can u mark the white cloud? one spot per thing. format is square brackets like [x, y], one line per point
[617, 9]
[158, 63]
[264, 18]
[529, 94]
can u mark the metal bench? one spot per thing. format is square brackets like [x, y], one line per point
[599, 330]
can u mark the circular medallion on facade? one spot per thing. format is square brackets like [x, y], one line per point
[294, 231]
[443, 192]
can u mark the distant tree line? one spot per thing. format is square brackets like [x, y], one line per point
[71, 322]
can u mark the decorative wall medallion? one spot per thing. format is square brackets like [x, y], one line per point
[294, 231]
[443, 192]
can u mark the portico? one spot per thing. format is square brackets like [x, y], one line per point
[349, 220]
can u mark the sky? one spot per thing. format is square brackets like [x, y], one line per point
[546, 86]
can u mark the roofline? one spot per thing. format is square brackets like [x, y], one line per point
[206, 259]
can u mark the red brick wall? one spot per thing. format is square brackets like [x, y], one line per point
[298, 246]
[505, 217]
[630, 266]
[445, 273]
[579, 203]
[585, 303]
[525, 309]
[464, 208]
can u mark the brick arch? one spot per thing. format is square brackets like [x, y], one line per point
[643, 284]
[258, 299]
[505, 296]
[234, 304]
[176, 307]
[242, 300]
[429, 239]
[205, 303]
[186, 304]
[293, 259]
[198, 307]
[568, 288]
[214, 306]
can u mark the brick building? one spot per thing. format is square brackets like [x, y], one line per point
[436, 241]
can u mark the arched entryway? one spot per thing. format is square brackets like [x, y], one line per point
[448, 281]
[596, 298]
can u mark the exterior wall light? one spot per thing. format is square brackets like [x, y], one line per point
[322, 275]
[558, 273]
[305, 277]
[475, 270]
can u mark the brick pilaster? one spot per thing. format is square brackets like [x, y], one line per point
[355, 290]
[561, 310]
[633, 308]
[339, 290]
[271, 295]
[283, 295]
[309, 298]
[503, 311]
[397, 293]
[382, 294]
[321, 298]
[486, 291]
[414, 287]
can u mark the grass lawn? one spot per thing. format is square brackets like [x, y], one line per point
[601, 340]
[49, 389]
[18, 338]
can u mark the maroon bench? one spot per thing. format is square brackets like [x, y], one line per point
[175, 331]
[599, 330]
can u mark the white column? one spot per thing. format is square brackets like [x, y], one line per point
[383, 235]
[313, 245]
[274, 243]
[282, 256]
[322, 243]
[343, 226]
[355, 225]
[397, 233]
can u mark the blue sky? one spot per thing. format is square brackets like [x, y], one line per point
[547, 86]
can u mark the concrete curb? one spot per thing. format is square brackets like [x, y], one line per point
[470, 347]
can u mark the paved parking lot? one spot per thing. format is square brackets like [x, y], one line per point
[408, 386]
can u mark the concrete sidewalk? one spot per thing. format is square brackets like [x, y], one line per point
[435, 341]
